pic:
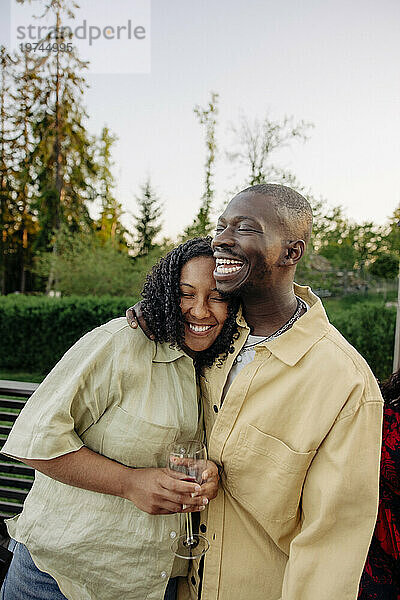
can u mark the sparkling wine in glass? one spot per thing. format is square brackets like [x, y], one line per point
[189, 458]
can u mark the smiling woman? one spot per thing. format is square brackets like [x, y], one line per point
[193, 315]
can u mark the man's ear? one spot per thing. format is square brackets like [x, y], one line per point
[294, 252]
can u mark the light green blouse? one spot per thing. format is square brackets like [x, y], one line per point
[127, 398]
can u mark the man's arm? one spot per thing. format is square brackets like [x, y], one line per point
[339, 507]
[135, 318]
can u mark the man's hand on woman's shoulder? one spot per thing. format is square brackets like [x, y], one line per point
[135, 318]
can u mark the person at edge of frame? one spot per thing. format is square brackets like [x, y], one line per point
[381, 576]
[293, 419]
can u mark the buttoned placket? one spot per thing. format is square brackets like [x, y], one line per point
[223, 421]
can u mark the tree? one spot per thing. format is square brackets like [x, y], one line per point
[63, 154]
[348, 246]
[391, 233]
[109, 226]
[207, 116]
[26, 92]
[86, 266]
[147, 223]
[7, 149]
[385, 266]
[256, 143]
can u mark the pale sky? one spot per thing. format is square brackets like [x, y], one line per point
[332, 62]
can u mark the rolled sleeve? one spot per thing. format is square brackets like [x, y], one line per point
[67, 403]
[339, 507]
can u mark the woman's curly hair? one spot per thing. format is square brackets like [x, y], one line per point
[161, 303]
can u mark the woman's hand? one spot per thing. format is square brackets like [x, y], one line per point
[135, 318]
[209, 487]
[151, 490]
[154, 491]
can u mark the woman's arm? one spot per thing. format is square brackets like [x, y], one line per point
[151, 490]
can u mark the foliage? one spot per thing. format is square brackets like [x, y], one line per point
[50, 175]
[385, 266]
[202, 225]
[85, 265]
[256, 142]
[51, 169]
[63, 155]
[370, 328]
[7, 205]
[347, 245]
[19, 91]
[147, 223]
[41, 329]
[320, 282]
[109, 226]
[391, 236]
[17, 375]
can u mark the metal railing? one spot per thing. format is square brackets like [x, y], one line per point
[15, 478]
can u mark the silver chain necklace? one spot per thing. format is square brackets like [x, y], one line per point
[296, 315]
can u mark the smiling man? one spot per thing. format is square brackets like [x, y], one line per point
[293, 417]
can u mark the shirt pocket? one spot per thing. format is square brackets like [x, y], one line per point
[135, 442]
[267, 476]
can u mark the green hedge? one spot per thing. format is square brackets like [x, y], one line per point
[35, 331]
[370, 328]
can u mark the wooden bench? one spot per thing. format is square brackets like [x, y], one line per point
[15, 478]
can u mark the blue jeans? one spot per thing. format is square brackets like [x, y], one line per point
[24, 581]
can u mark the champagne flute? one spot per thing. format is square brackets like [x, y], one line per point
[189, 458]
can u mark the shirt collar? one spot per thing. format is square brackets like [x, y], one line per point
[292, 345]
[165, 353]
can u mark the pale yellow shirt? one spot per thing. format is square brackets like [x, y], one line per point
[127, 398]
[299, 436]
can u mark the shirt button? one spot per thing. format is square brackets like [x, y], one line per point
[215, 407]
[172, 535]
[203, 528]
[163, 575]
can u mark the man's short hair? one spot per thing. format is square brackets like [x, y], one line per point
[293, 210]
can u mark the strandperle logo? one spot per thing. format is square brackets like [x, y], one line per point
[83, 31]
[110, 36]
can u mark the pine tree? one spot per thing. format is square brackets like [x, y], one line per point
[25, 94]
[207, 116]
[8, 206]
[62, 158]
[109, 226]
[147, 223]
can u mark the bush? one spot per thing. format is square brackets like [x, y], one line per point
[386, 266]
[36, 331]
[86, 267]
[370, 328]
